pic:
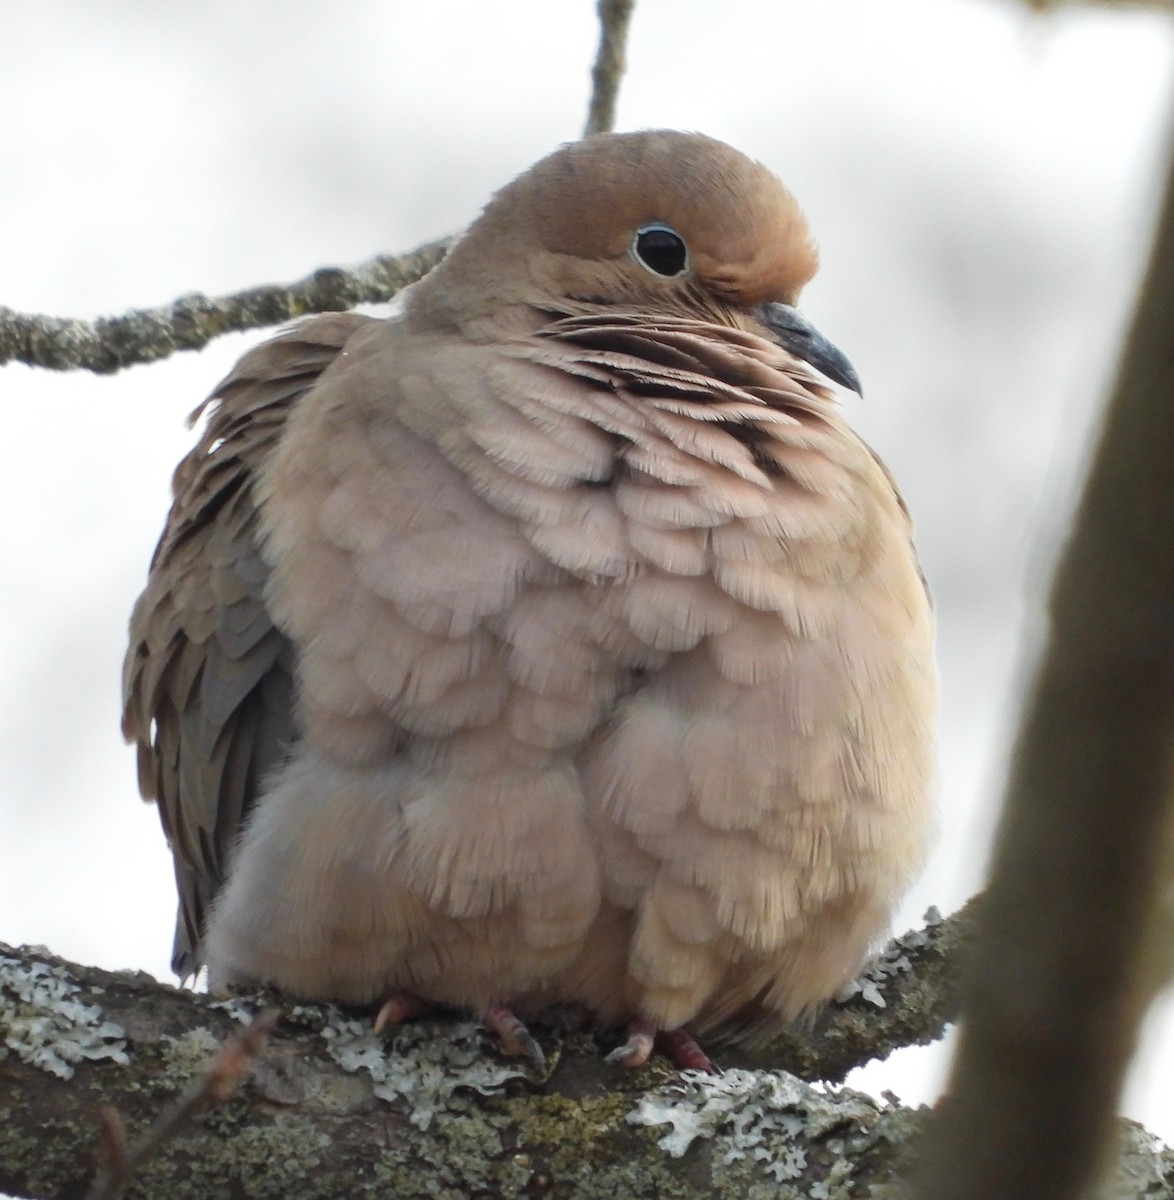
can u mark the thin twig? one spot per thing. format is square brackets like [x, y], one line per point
[214, 1086]
[191, 322]
[113, 1145]
[109, 344]
[614, 18]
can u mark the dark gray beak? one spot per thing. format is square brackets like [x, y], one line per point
[794, 332]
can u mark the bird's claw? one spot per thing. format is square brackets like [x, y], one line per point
[637, 1050]
[513, 1038]
[682, 1048]
[679, 1047]
[398, 1008]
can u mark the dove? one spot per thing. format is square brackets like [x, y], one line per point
[553, 642]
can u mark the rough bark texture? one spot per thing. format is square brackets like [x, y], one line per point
[908, 997]
[432, 1111]
[332, 1112]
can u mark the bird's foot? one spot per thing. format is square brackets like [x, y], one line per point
[678, 1046]
[684, 1051]
[637, 1050]
[513, 1038]
[398, 1008]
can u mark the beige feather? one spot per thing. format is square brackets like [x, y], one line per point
[554, 640]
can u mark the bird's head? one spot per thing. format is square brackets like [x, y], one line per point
[659, 222]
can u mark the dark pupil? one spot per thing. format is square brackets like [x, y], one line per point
[661, 251]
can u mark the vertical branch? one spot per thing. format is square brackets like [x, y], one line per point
[614, 18]
[1060, 979]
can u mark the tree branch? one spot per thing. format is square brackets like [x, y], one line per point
[109, 344]
[191, 322]
[615, 16]
[331, 1110]
[1066, 962]
[907, 997]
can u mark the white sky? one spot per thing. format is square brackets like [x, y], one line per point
[981, 182]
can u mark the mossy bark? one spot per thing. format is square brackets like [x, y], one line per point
[329, 1111]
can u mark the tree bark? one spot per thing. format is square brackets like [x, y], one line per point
[433, 1111]
[1070, 949]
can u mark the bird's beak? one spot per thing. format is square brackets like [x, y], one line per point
[794, 332]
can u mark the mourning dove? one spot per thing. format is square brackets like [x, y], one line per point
[553, 641]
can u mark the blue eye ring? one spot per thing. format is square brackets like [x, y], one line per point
[660, 250]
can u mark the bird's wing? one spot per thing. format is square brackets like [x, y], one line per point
[207, 679]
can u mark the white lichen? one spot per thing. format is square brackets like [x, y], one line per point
[892, 961]
[1142, 1167]
[422, 1064]
[43, 1023]
[769, 1117]
[241, 1009]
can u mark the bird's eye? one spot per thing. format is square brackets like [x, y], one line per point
[660, 250]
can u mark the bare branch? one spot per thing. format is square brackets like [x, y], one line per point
[191, 322]
[1063, 968]
[333, 1111]
[113, 1150]
[109, 344]
[615, 16]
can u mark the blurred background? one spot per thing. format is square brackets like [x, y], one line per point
[981, 180]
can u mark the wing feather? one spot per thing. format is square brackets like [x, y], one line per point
[207, 680]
